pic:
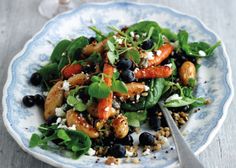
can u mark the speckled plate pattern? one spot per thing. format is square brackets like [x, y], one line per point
[21, 122]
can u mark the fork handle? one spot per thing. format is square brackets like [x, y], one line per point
[186, 157]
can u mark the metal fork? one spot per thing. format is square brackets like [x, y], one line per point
[186, 157]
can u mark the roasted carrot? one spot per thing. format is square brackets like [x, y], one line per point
[153, 72]
[105, 105]
[164, 52]
[71, 69]
[134, 88]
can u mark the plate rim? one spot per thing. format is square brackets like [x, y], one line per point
[51, 161]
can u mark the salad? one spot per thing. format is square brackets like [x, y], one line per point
[97, 92]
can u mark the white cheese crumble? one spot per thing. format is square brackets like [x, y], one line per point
[137, 97]
[166, 142]
[119, 41]
[73, 127]
[136, 70]
[146, 88]
[60, 112]
[45, 93]
[58, 120]
[169, 65]
[107, 109]
[129, 153]
[149, 55]
[146, 152]
[144, 34]
[66, 85]
[173, 97]
[201, 53]
[137, 36]
[132, 34]
[91, 152]
[158, 52]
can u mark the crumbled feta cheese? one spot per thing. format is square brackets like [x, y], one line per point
[62, 126]
[91, 152]
[144, 34]
[166, 142]
[136, 70]
[119, 41]
[66, 86]
[59, 112]
[146, 152]
[73, 127]
[45, 93]
[129, 153]
[150, 56]
[201, 53]
[107, 109]
[137, 97]
[58, 120]
[146, 88]
[173, 97]
[132, 34]
[158, 52]
[137, 36]
[169, 65]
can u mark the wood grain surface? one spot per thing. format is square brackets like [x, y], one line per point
[20, 20]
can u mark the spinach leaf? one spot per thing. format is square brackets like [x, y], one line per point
[135, 118]
[169, 34]
[119, 86]
[49, 72]
[156, 88]
[195, 49]
[76, 47]
[180, 102]
[134, 107]
[35, 140]
[59, 49]
[145, 27]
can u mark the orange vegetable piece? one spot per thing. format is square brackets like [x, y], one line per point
[71, 69]
[153, 72]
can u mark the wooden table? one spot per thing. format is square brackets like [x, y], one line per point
[20, 20]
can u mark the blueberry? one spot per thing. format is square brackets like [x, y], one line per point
[155, 123]
[124, 64]
[117, 151]
[146, 139]
[28, 101]
[92, 39]
[51, 119]
[127, 76]
[128, 140]
[39, 100]
[35, 78]
[146, 45]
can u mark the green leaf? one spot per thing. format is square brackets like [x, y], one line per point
[59, 49]
[49, 71]
[192, 82]
[115, 75]
[99, 35]
[63, 135]
[110, 45]
[134, 107]
[134, 55]
[155, 92]
[210, 50]
[119, 86]
[180, 102]
[94, 57]
[112, 57]
[63, 62]
[80, 106]
[35, 140]
[169, 34]
[71, 100]
[76, 47]
[135, 118]
[96, 79]
[99, 90]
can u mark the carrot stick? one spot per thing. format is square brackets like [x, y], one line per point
[153, 72]
[71, 69]
[164, 52]
[105, 105]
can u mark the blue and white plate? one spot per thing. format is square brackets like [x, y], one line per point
[202, 126]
